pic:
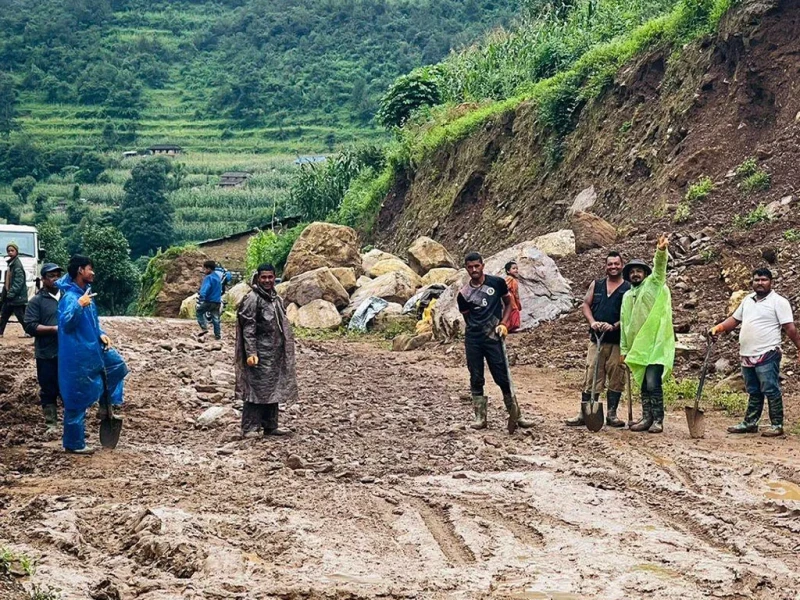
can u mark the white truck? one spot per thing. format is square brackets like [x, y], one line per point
[27, 238]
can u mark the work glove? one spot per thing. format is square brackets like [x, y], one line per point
[85, 300]
[252, 361]
[501, 330]
[106, 341]
[715, 330]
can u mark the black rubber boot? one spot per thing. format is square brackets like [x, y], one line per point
[612, 400]
[513, 412]
[657, 409]
[755, 406]
[479, 406]
[647, 416]
[578, 421]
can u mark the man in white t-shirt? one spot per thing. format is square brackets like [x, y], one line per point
[762, 315]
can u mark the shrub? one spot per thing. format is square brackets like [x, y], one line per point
[747, 168]
[408, 94]
[682, 213]
[699, 191]
[271, 247]
[754, 217]
[683, 392]
[791, 235]
[757, 182]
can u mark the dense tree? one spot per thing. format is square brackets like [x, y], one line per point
[407, 95]
[145, 216]
[90, 166]
[52, 240]
[116, 280]
[8, 103]
[23, 187]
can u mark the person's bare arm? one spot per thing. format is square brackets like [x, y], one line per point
[791, 333]
[586, 308]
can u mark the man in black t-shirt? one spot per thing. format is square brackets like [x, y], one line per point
[486, 306]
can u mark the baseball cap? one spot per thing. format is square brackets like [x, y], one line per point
[49, 268]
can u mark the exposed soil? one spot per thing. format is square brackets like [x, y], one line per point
[388, 494]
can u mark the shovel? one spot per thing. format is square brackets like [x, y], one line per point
[593, 412]
[695, 416]
[512, 419]
[630, 398]
[110, 428]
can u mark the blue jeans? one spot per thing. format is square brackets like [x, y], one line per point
[764, 381]
[213, 309]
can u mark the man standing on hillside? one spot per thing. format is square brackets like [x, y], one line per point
[15, 290]
[87, 365]
[647, 340]
[264, 356]
[762, 315]
[601, 308]
[209, 300]
[486, 305]
[41, 322]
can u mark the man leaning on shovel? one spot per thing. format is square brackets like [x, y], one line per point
[485, 305]
[601, 307]
[762, 315]
[647, 340]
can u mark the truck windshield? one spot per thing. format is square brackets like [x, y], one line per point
[25, 241]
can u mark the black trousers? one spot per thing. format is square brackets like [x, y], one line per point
[47, 374]
[259, 416]
[17, 310]
[484, 348]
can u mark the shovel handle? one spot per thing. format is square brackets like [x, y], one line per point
[508, 368]
[630, 394]
[710, 341]
[596, 366]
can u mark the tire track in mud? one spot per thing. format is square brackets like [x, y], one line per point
[526, 533]
[441, 528]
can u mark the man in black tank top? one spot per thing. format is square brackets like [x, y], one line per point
[601, 307]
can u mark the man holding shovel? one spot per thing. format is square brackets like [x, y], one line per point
[601, 308]
[485, 305]
[265, 362]
[762, 315]
[647, 340]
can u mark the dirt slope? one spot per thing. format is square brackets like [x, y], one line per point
[393, 496]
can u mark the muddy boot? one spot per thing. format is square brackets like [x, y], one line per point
[578, 421]
[657, 407]
[85, 451]
[743, 428]
[646, 421]
[50, 417]
[773, 431]
[513, 412]
[278, 431]
[612, 400]
[479, 406]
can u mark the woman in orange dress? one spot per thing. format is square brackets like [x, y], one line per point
[512, 273]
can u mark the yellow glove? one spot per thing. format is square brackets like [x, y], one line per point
[106, 341]
[252, 361]
[85, 300]
[716, 330]
[501, 330]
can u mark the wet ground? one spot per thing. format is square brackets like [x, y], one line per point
[383, 491]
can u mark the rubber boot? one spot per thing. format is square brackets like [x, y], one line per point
[578, 421]
[278, 431]
[514, 413]
[85, 451]
[50, 416]
[657, 408]
[755, 406]
[612, 400]
[479, 406]
[646, 421]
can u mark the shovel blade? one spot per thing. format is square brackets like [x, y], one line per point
[696, 420]
[110, 430]
[593, 415]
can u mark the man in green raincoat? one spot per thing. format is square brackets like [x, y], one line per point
[647, 341]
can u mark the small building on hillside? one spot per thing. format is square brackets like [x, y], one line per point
[309, 160]
[130, 154]
[167, 149]
[233, 179]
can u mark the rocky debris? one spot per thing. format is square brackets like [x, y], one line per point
[317, 284]
[212, 416]
[347, 277]
[558, 244]
[391, 314]
[188, 308]
[732, 383]
[234, 296]
[407, 342]
[295, 462]
[688, 344]
[318, 314]
[323, 245]
[544, 293]
[182, 278]
[392, 287]
[438, 275]
[735, 273]
[592, 231]
[778, 209]
[291, 312]
[426, 254]
[369, 259]
[583, 201]
[390, 265]
[736, 299]
[723, 366]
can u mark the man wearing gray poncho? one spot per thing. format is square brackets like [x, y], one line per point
[265, 364]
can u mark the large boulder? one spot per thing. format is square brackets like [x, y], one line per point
[323, 245]
[390, 265]
[319, 284]
[346, 276]
[318, 314]
[544, 292]
[736, 299]
[363, 280]
[392, 287]
[426, 254]
[557, 244]
[291, 312]
[171, 277]
[438, 275]
[583, 201]
[233, 298]
[189, 308]
[592, 231]
[369, 259]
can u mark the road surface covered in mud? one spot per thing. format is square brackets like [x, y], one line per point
[383, 491]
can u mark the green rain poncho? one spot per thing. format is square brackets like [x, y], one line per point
[647, 337]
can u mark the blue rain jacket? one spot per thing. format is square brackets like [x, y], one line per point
[211, 290]
[82, 363]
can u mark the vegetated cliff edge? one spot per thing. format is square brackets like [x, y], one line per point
[670, 117]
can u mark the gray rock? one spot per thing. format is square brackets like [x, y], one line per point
[212, 416]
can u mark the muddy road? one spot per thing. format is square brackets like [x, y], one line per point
[383, 491]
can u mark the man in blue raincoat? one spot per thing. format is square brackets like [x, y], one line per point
[87, 365]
